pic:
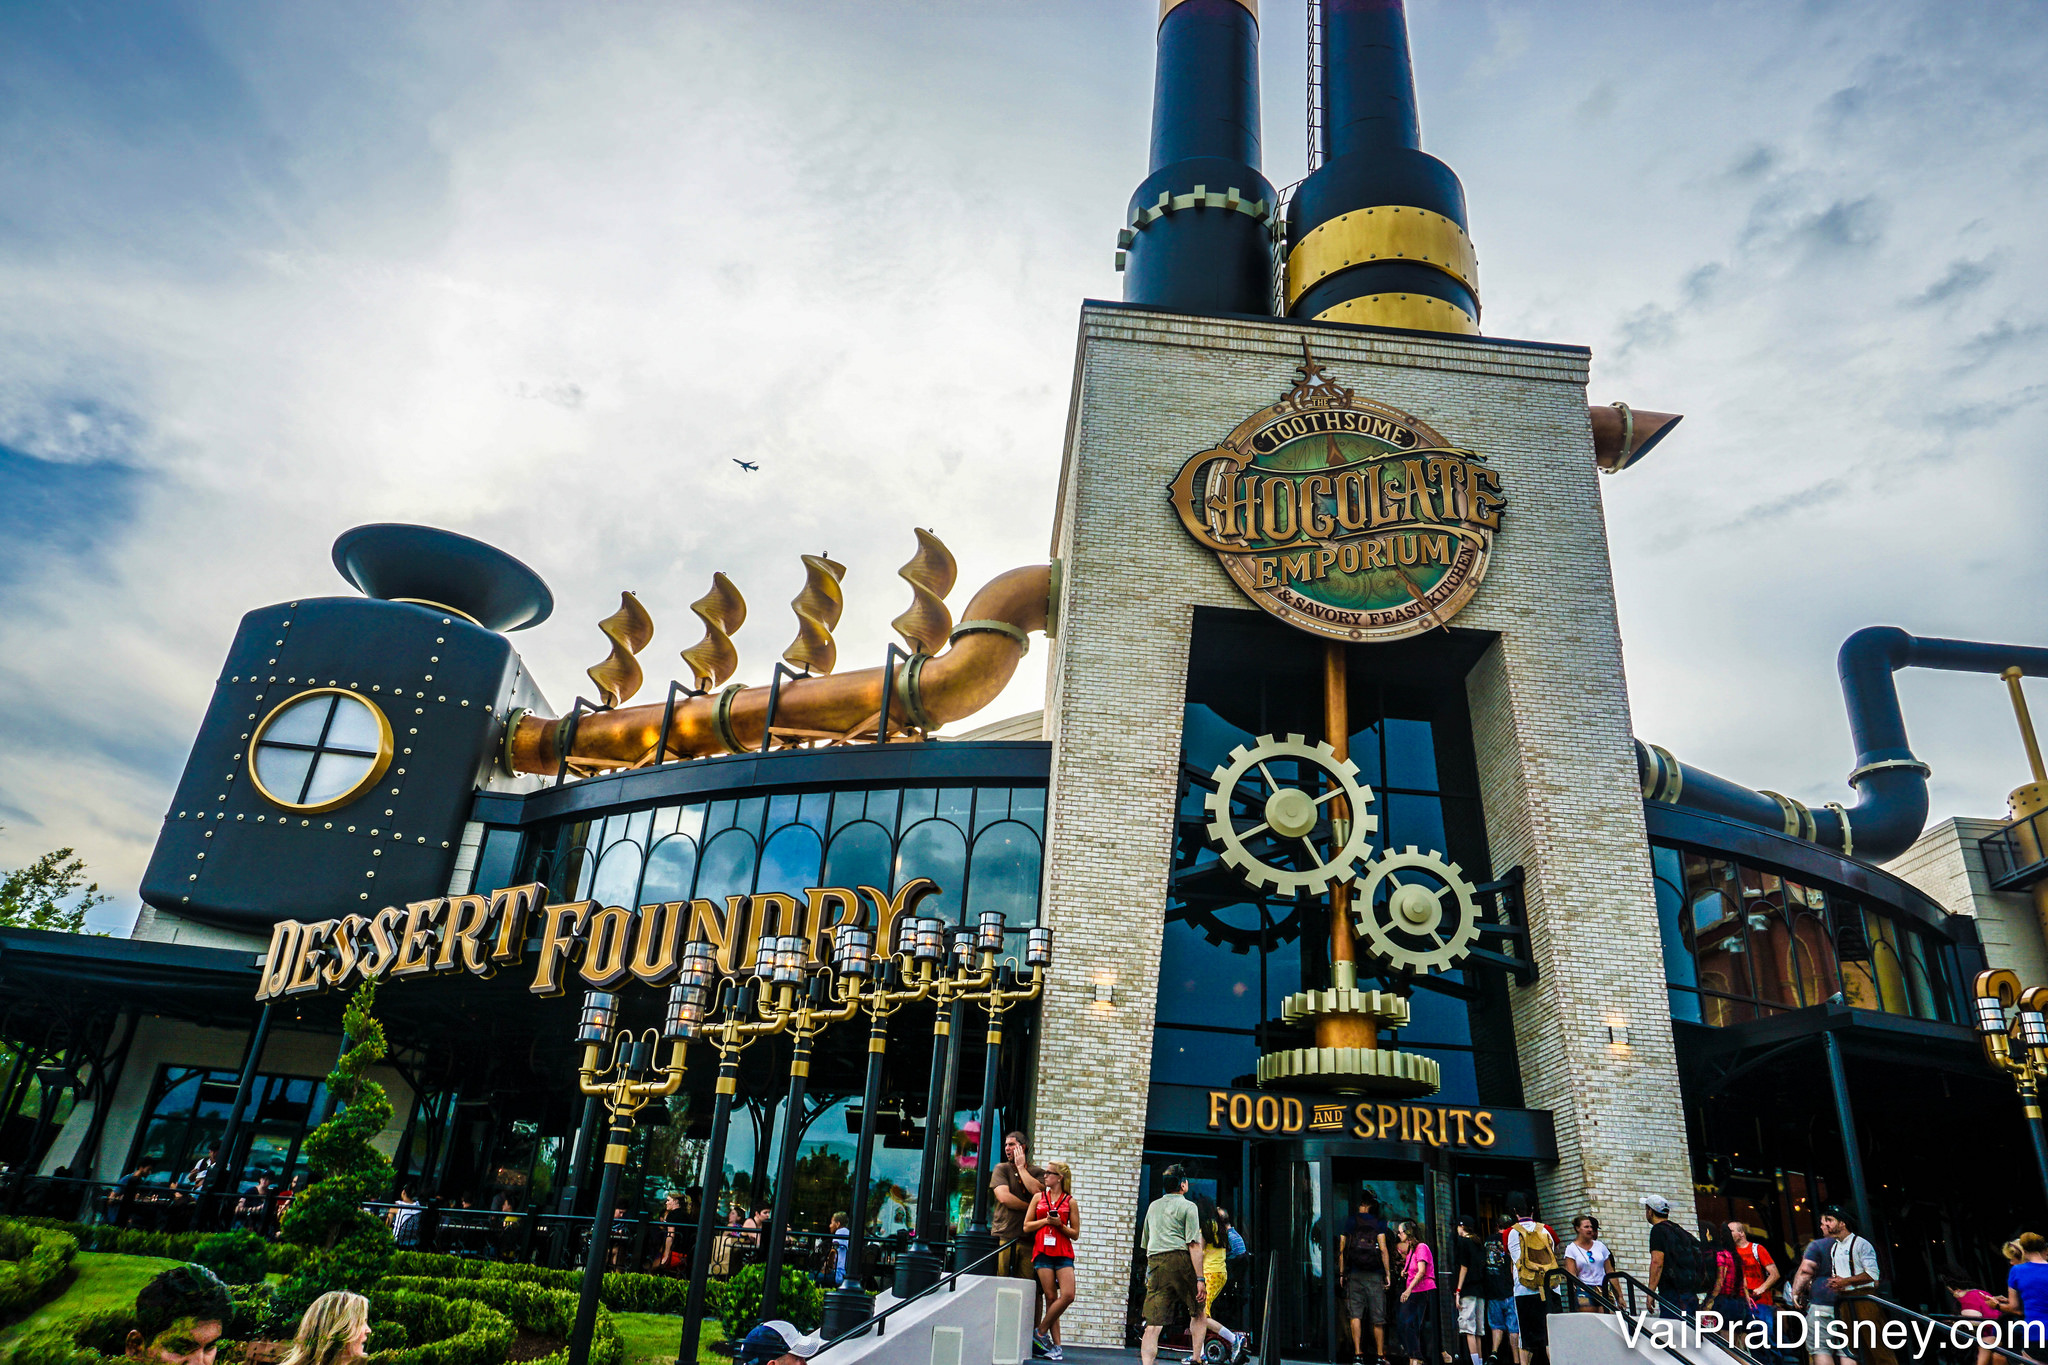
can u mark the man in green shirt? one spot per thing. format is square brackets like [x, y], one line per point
[1173, 1265]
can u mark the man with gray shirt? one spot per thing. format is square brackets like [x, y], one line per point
[1173, 1265]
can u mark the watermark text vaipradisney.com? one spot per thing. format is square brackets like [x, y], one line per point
[1795, 1331]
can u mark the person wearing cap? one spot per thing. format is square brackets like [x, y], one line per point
[1673, 1251]
[777, 1342]
[1838, 1268]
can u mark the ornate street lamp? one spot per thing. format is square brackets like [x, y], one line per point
[921, 1264]
[628, 1082]
[978, 1241]
[2018, 1048]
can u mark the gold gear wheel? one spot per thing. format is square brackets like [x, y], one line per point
[1416, 927]
[1291, 813]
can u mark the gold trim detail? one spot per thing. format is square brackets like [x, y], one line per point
[1848, 839]
[367, 781]
[1167, 7]
[1413, 312]
[721, 718]
[1386, 232]
[1667, 777]
[1883, 763]
[1381, 1069]
[438, 606]
[615, 1154]
[1385, 1006]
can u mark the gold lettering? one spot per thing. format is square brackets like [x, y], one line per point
[1267, 577]
[1385, 505]
[1268, 1114]
[774, 915]
[1352, 512]
[1389, 1116]
[344, 944]
[561, 929]
[1310, 518]
[1231, 515]
[1482, 1123]
[654, 947]
[1218, 1101]
[1415, 502]
[723, 932]
[1448, 475]
[416, 944]
[460, 951]
[821, 899]
[1240, 1111]
[512, 908]
[277, 963]
[1325, 557]
[383, 949]
[1436, 549]
[1405, 547]
[889, 909]
[1290, 1114]
[1486, 498]
[1295, 568]
[608, 939]
[1407, 1119]
[1376, 552]
[1363, 1127]
[1349, 557]
[1462, 1116]
[1425, 1127]
[306, 962]
[1277, 497]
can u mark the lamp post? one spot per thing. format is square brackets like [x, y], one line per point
[899, 977]
[2020, 1048]
[804, 1008]
[921, 1263]
[978, 1241]
[628, 1082]
[731, 1033]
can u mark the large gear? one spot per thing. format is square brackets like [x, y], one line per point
[1413, 927]
[1290, 814]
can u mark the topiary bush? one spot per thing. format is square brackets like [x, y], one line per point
[35, 1265]
[621, 1292]
[442, 1331]
[737, 1301]
[345, 1245]
[548, 1312]
[239, 1257]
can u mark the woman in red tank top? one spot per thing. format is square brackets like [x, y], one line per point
[1052, 1223]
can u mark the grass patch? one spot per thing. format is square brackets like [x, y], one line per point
[105, 1280]
[654, 1337]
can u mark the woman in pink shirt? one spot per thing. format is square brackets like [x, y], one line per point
[1418, 1286]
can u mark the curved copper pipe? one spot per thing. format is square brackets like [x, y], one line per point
[958, 682]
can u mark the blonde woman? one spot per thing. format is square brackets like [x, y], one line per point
[332, 1332]
[1053, 1222]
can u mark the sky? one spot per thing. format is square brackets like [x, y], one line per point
[540, 273]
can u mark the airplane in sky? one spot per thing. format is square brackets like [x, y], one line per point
[744, 465]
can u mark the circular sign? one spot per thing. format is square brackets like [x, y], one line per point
[319, 750]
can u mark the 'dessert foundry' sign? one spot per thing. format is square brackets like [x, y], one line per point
[1343, 516]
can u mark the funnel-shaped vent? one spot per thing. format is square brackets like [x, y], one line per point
[436, 568]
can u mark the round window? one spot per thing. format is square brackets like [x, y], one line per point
[320, 750]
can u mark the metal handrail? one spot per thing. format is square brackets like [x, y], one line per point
[946, 1283]
[1630, 1303]
[1916, 1316]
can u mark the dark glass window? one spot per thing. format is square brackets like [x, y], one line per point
[188, 1113]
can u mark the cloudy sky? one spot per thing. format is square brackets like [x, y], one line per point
[539, 273]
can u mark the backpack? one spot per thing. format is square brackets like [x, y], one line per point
[1499, 1270]
[1362, 1251]
[1688, 1267]
[1538, 1257]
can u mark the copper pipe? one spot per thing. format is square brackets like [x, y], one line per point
[1622, 435]
[966, 677]
[1341, 1030]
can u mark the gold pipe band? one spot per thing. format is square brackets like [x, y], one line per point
[721, 718]
[943, 1028]
[995, 1037]
[1412, 312]
[437, 606]
[910, 691]
[878, 1044]
[1667, 778]
[997, 627]
[1385, 232]
[800, 1067]
[1867, 769]
[1848, 838]
[727, 1085]
[1167, 7]
[615, 1154]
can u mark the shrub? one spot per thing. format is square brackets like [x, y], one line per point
[548, 1312]
[35, 1265]
[239, 1257]
[252, 1310]
[621, 1292]
[345, 1245]
[176, 1246]
[442, 1331]
[80, 1339]
[737, 1301]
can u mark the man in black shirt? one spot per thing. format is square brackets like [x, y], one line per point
[1366, 1258]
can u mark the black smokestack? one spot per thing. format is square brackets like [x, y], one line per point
[1377, 235]
[1199, 234]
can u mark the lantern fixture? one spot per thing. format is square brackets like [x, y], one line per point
[851, 949]
[931, 940]
[1038, 947]
[989, 939]
[685, 1019]
[962, 945]
[600, 1015]
[790, 957]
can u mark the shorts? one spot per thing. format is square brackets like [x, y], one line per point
[1472, 1315]
[1534, 1315]
[1052, 1263]
[1502, 1317]
[1365, 1297]
[1014, 1262]
[1170, 1289]
[1818, 1318]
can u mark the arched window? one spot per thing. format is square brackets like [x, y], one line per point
[859, 856]
[670, 870]
[618, 875]
[728, 866]
[935, 849]
[1003, 874]
[789, 861]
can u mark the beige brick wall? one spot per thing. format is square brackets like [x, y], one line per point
[1549, 709]
[1948, 865]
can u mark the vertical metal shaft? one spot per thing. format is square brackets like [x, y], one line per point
[600, 1239]
[707, 1206]
[848, 1307]
[785, 1173]
[227, 1175]
[579, 1156]
[1845, 1119]
[989, 1057]
[942, 1149]
[1337, 730]
[918, 1266]
[2012, 678]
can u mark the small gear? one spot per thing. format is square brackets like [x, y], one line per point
[1412, 925]
[1290, 814]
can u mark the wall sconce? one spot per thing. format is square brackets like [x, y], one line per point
[1105, 992]
[1617, 1035]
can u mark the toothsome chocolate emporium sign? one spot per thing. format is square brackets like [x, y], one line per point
[1343, 516]
[605, 945]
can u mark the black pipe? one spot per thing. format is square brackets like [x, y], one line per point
[846, 1307]
[714, 1188]
[579, 1156]
[231, 1157]
[1209, 252]
[979, 1240]
[1845, 1118]
[785, 1164]
[601, 1231]
[1891, 784]
[919, 1266]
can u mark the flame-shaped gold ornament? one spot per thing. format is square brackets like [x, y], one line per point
[629, 629]
[817, 610]
[722, 610]
[930, 573]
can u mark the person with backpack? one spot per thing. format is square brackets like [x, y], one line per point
[1838, 1270]
[1679, 1267]
[1532, 1251]
[1366, 1258]
[1726, 1296]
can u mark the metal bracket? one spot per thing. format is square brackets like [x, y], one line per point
[782, 670]
[565, 736]
[668, 716]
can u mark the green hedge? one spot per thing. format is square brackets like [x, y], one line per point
[622, 1293]
[81, 1339]
[35, 1265]
[278, 1257]
[442, 1331]
[737, 1301]
[548, 1312]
